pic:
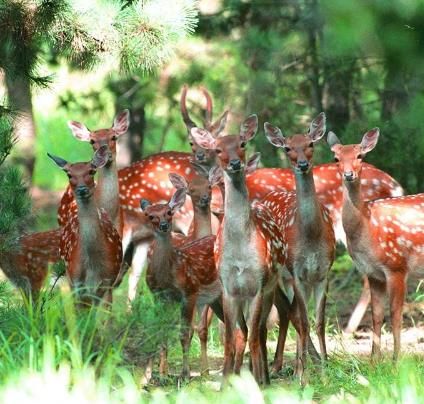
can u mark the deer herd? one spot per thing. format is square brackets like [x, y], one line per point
[247, 238]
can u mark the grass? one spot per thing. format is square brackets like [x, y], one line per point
[97, 356]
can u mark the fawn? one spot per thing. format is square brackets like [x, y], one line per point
[307, 226]
[384, 237]
[90, 244]
[248, 251]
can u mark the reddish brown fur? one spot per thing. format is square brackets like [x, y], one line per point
[179, 269]
[93, 260]
[248, 276]
[27, 266]
[309, 232]
[385, 237]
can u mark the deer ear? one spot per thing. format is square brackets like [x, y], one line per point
[178, 181]
[274, 135]
[333, 140]
[252, 163]
[144, 203]
[121, 122]
[200, 169]
[219, 124]
[100, 157]
[317, 127]
[369, 140]
[249, 128]
[79, 131]
[203, 138]
[60, 162]
[215, 176]
[177, 200]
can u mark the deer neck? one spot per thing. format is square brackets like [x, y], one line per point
[237, 218]
[163, 259]
[201, 222]
[107, 191]
[309, 213]
[90, 232]
[353, 208]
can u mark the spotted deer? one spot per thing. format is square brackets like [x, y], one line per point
[384, 237]
[107, 189]
[90, 245]
[375, 184]
[306, 224]
[181, 271]
[248, 250]
[26, 264]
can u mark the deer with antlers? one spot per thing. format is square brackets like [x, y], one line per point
[248, 251]
[307, 226]
[180, 270]
[384, 237]
[90, 245]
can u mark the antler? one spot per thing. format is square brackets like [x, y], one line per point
[209, 112]
[186, 118]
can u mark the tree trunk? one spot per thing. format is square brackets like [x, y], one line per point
[19, 95]
[131, 146]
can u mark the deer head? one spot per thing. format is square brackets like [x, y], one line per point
[230, 150]
[349, 157]
[202, 155]
[103, 137]
[160, 214]
[81, 175]
[298, 148]
[199, 188]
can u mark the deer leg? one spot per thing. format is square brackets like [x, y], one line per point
[187, 315]
[137, 266]
[240, 342]
[263, 331]
[320, 300]
[231, 309]
[283, 308]
[396, 286]
[360, 308]
[378, 289]
[303, 330]
[163, 360]
[254, 337]
[205, 321]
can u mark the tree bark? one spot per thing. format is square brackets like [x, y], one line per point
[19, 95]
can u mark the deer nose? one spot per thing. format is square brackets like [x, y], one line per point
[348, 175]
[303, 165]
[163, 226]
[204, 200]
[200, 155]
[235, 164]
[82, 191]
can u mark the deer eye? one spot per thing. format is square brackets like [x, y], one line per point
[92, 141]
[359, 156]
[113, 137]
[190, 143]
[151, 217]
[287, 149]
[311, 144]
[218, 151]
[92, 172]
[69, 175]
[169, 213]
[336, 159]
[243, 145]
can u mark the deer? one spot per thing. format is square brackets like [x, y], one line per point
[249, 249]
[90, 245]
[307, 224]
[181, 270]
[107, 189]
[26, 263]
[384, 237]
